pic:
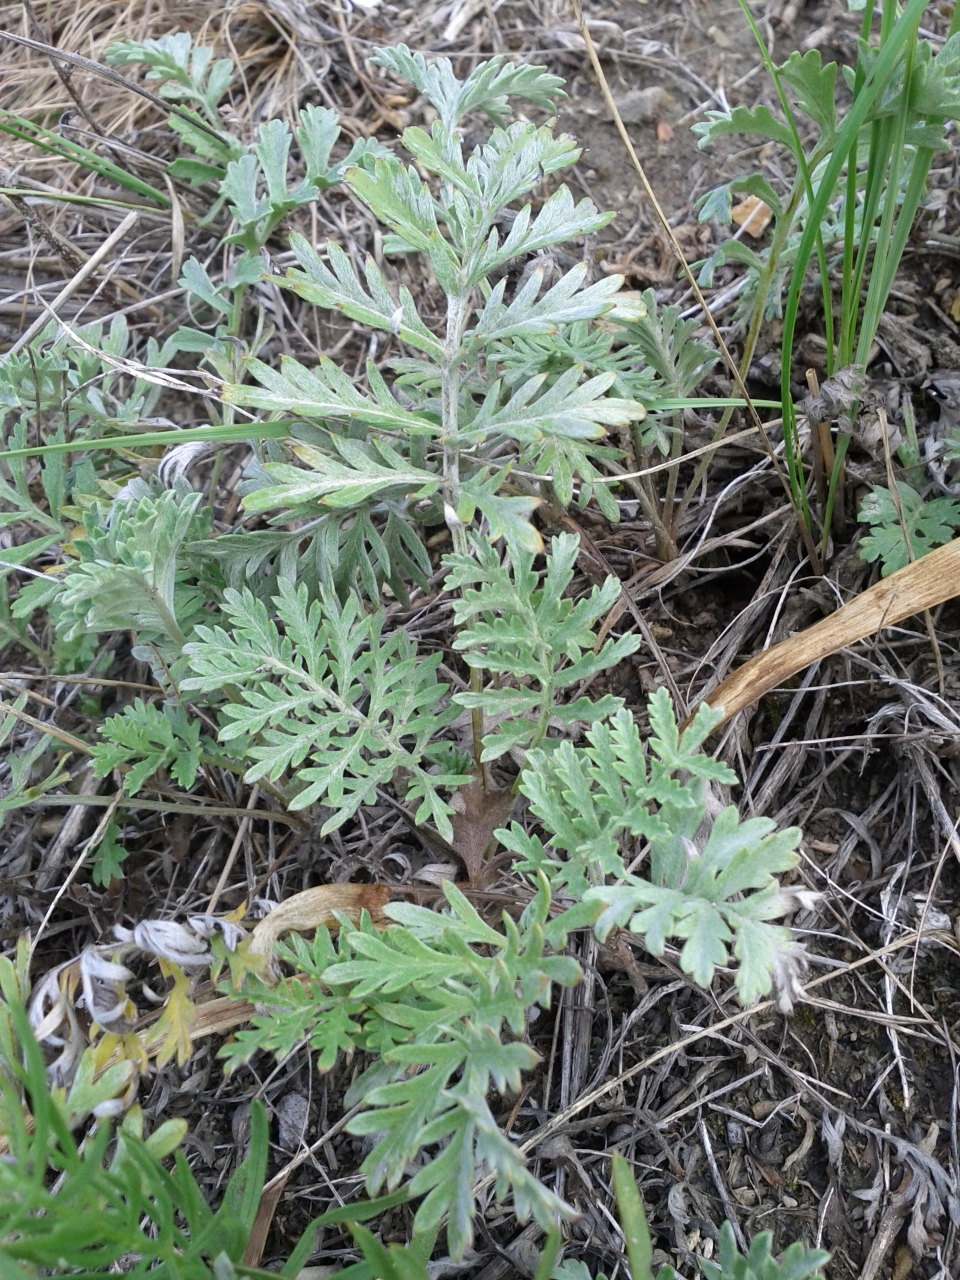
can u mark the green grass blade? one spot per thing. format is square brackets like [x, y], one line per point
[673, 405]
[69, 197]
[633, 1220]
[67, 149]
[883, 70]
[916, 184]
[876, 294]
[848, 297]
[234, 433]
[548, 1258]
[231, 434]
[801, 159]
[359, 1212]
[913, 194]
[878, 163]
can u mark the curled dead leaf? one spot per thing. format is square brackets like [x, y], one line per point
[222, 1015]
[315, 907]
[837, 395]
[479, 812]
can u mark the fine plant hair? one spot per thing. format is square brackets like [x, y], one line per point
[506, 410]
[442, 442]
[436, 995]
[712, 878]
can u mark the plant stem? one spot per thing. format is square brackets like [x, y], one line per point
[236, 310]
[476, 725]
[669, 498]
[643, 491]
[457, 312]
[543, 722]
[457, 308]
[844, 153]
[804, 171]
[167, 620]
[781, 232]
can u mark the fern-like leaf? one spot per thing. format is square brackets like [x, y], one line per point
[330, 699]
[528, 632]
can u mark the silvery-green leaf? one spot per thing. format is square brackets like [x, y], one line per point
[339, 289]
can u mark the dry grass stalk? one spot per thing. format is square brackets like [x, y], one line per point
[918, 586]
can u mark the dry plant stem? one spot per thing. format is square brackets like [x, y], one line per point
[261, 1225]
[895, 495]
[158, 377]
[62, 73]
[928, 581]
[348, 43]
[172, 806]
[273, 1190]
[35, 697]
[304, 61]
[84, 848]
[68, 740]
[578, 1011]
[92, 681]
[232, 855]
[279, 1179]
[476, 726]
[177, 233]
[950, 847]
[816, 443]
[67, 836]
[73, 285]
[72, 258]
[947, 826]
[650, 578]
[657, 467]
[596, 554]
[765, 1006]
[641, 486]
[749, 347]
[675, 245]
[108, 73]
[721, 1186]
[825, 439]
[888, 1227]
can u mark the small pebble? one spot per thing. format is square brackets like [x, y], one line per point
[641, 105]
[293, 1112]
